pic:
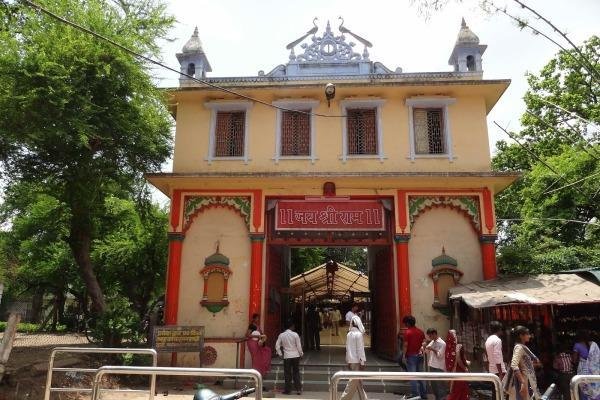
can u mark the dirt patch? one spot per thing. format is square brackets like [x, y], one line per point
[28, 365]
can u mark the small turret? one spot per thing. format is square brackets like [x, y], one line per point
[467, 52]
[193, 60]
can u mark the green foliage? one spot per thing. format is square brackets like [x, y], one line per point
[24, 327]
[118, 323]
[541, 234]
[305, 258]
[81, 120]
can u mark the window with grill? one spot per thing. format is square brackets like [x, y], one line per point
[229, 133]
[295, 133]
[429, 130]
[362, 131]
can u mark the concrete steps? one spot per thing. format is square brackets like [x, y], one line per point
[316, 377]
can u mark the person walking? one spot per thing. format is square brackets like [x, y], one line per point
[313, 328]
[435, 351]
[586, 355]
[456, 362]
[353, 311]
[335, 317]
[356, 359]
[289, 347]
[493, 350]
[563, 365]
[259, 351]
[413, 354]
[521, 377]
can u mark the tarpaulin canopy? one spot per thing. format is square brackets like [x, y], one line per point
[540, 289]
[314, 283]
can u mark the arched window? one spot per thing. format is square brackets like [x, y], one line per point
[191, 69]
[470, 63]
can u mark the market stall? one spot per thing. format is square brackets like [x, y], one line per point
[552, 306]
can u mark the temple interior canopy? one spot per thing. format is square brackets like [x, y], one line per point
[315, 284]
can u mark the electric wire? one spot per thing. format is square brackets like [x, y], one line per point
[572, 183]
[550, 219]
[162, 65]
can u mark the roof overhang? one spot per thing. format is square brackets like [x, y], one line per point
[285, 183]
[452, 84]
[543, 289]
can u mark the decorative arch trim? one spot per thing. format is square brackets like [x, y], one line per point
[467, 205]
[197, 204]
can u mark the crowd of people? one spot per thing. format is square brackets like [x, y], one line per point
[518, 375]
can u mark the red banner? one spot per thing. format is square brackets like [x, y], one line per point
[326, 215]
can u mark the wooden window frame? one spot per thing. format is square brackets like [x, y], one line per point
[440, 102]
[349, 104]
[227, 106]
[294, 105]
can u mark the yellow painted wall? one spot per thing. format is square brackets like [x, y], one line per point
[467, 125]
[433, 229]
[229, 229]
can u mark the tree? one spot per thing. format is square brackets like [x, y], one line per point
[80, 117]
[130, 252]
[552, 214]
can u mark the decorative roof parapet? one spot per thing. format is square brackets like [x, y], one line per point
[329, 55]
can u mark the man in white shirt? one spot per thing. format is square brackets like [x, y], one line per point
[356, 359]
[436, 360]
[350, 314]
[493, 350]
[289, 347]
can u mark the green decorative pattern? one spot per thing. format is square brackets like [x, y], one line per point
[194, 204]
[468, 205]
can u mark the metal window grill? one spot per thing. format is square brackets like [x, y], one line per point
[229, 134]
[429, 131]
[295, 133]
[362, 131]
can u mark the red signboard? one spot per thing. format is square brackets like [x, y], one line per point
[329, 215]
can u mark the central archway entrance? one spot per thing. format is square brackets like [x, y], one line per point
[289, 295]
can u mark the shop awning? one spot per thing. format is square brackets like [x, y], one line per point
[560, 289]
[314, 283]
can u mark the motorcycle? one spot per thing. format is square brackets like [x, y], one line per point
[207, 394]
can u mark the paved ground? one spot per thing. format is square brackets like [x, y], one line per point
[50, 339]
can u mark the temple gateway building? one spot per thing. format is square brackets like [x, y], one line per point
[329, 149]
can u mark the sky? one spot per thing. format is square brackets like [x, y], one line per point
[242, 37]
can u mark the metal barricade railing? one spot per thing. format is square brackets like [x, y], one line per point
[175, 371]
[93, 350]
[419, 376]
[578, 380]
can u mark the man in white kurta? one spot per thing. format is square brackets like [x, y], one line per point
[356, 359]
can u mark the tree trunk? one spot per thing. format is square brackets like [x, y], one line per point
[36, 306]
[80, 242]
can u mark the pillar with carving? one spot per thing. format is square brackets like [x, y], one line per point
[403, 274]
[173, 277]
[257, 245]
[488, 237]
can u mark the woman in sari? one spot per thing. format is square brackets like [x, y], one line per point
[456, 362]
[260, 353]
[521, 377]
[586, 355]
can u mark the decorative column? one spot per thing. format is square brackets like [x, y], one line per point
[257, 244]
[403, 274]
[488, 237]
[488, 256]
[173, 277]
